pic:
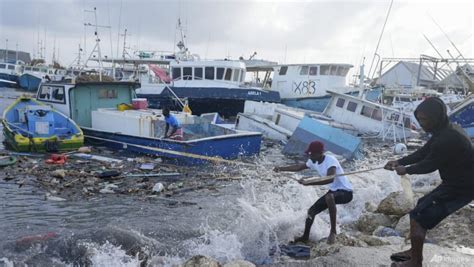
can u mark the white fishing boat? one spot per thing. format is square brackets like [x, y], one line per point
[305, 85]
[206, 85]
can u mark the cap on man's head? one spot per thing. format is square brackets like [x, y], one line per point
[315, 147]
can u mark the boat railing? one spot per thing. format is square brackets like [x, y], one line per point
[175, 96]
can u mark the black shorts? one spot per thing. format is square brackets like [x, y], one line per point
[437, 205]
[340, 197]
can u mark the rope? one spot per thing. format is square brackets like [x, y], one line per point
[329, 177]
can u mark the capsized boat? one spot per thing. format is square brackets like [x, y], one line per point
[29, 125]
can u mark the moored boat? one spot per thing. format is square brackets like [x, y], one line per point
[95, 107]
[29, 125]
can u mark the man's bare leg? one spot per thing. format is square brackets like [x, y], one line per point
[332, 216]
[417, 236]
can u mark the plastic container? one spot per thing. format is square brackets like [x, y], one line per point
[140, 103]
[123, 106]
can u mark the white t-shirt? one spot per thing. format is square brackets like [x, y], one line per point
[340, 182]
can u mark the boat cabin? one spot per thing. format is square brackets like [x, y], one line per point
[309, 80]
[209, 73]
[369, 117]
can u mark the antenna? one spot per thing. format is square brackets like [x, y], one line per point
[97, 41]
[447, 37]
[380, 38]
[118, 31]
[6, 50]
[124, 51]
[54, 49]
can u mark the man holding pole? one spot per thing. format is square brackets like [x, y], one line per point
[340, 189]
[449, 151]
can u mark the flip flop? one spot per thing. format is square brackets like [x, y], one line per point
[398, 258]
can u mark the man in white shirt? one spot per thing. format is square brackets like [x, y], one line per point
[340, 189]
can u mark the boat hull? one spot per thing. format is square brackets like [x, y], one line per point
[464, 116]
[226, 101]
[54, 133]
[29, 82]
[183, 152]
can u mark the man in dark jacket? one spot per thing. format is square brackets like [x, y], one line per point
[450, 151]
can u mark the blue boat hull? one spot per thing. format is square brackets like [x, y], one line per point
[465, 118]
[335, 140]
[226, 147]
[29, 82]
[227, 102]
[8, 80]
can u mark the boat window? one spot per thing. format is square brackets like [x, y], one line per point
[377, 114]
[404, 99]
[407, 122]
[44, 93]
[283, 70]
[219, 73]
[333, 70]
[28, 68]
[342, 71]
[324, 70]
[44, 70]
[304, 70]
[236, 75]
[228, 74]
[108, 93]
[11, 67]
[209, 73]
[187, 73]
[197, 73]
[394, 117]
[2, 66]
[313, 71]
[36, 69]
[351, 106]
[176, 73]
[340, 102]
[366, 111]
[58, 94]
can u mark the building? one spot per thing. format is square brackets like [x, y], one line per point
[12, 55]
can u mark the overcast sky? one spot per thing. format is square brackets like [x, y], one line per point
[342, 31]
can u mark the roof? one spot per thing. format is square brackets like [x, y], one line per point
[12, 54]
[426, 72]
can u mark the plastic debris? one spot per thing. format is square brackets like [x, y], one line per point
[296, 251]
[108, 174]
[154, 174]
[57, 159]
[147, 166]
[158, 187]
[98, 158]
[386, 231]
[59, 173]
[399, 149]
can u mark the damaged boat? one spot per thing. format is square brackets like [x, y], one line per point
[98, 108]
[29, 125]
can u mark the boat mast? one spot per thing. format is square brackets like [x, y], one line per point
[97, 42]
